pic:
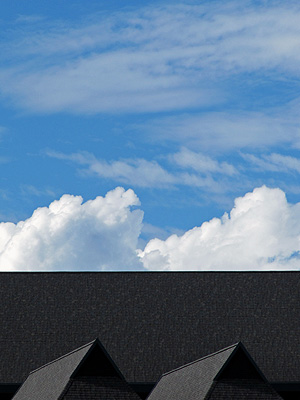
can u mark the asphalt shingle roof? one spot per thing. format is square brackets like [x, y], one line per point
[62, 378]
[242, 389]
[49, 381]
[207, 379]
[150, 323]
[95, 388]
[191, 381]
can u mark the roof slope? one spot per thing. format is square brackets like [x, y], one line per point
[95, 388]
[49, 381]
[227, 374]
[150, 323]
[243, 389]
[63, 378]
[191, 381]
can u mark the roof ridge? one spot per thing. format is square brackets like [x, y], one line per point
[65, 355]
[200, 359]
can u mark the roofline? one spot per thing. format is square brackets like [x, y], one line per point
[236, 272]
[65, 355]
[200, 359]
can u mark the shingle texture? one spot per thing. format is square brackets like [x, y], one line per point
[207, 379]
[49, 381]
[150, 323]
[242, 389]
[95, 388]
[191, 381]
[64, 378]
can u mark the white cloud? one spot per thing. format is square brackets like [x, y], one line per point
[199, 162]
[261, 233]
[138, 172]
[150, 59]
[34, 191]
[274, 162]
[220, 131]
[143, 173]
[100, 234]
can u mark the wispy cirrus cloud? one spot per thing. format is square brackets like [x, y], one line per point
[210, 177]
[185, 168]
[150, 59]
[226, 131]
[274, 162]
[31, 190]
[199, 162]
[138, 172]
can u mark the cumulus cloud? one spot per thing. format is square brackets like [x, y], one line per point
[262, 232]
[100, 234]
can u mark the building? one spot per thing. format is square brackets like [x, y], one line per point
[150, 323]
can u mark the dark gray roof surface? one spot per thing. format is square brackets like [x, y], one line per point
[207, 379]
[62, 378]
[49, 381]
[243, 389]
[95, 388]
[150, 323]
[191, 381]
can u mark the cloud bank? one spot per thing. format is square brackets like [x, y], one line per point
[262, 232]
[71, 235]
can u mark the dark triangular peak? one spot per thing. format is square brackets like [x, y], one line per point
[240, 365]
[65, 374]
[97, 362]
[225, 375]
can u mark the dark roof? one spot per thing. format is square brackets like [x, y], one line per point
[96, 387]
[191, 381]
[227, 374]
[150, 322]
[62, 378]
[49, 381]
[243, 389]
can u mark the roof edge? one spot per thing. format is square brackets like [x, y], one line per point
[65, 355]
[202, 358]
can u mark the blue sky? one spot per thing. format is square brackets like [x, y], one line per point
[191, 107]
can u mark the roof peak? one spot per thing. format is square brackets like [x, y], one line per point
[66, 355]
[235, 345]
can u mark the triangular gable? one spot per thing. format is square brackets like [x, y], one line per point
[198, 379]
[240, 365]
[49, 381]
[97, 362]
[193, 380]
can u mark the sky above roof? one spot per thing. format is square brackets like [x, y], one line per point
[157, 135]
